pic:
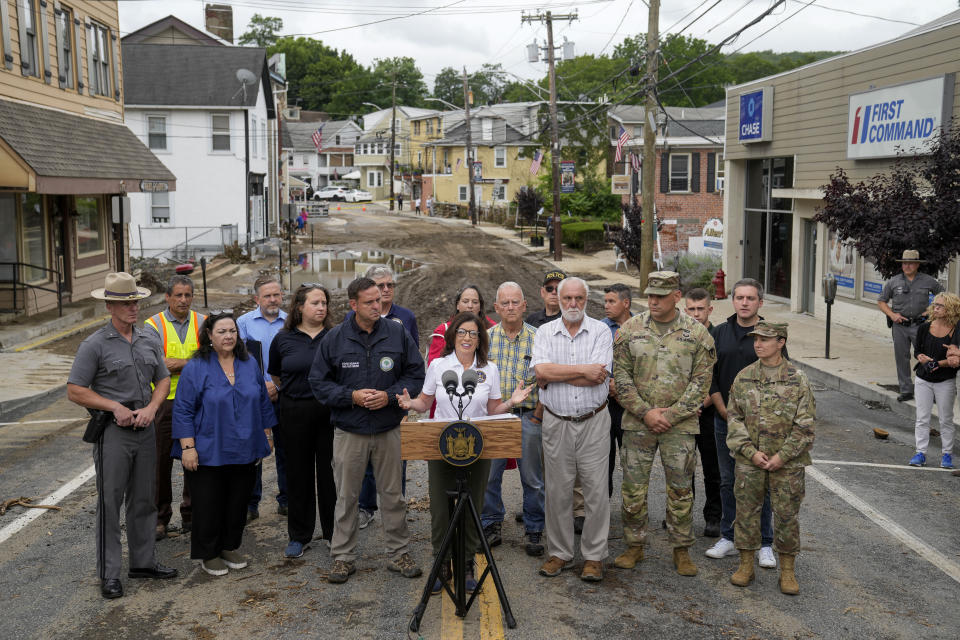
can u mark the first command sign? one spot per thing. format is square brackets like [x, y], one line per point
[756, 116]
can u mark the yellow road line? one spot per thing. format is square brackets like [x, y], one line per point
[491, 621]
[451, 626]
[50, 337]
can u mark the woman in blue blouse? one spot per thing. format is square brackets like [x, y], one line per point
[222, 425]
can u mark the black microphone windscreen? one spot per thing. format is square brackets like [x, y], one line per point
[450, 381]
[470, 379]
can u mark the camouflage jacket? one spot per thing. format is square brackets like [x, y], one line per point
[772, 415]
[669, 371]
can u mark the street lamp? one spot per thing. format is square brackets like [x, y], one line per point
[370, 104]
[452, 106]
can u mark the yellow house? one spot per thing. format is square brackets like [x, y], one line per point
[65, 154]
[503, 143]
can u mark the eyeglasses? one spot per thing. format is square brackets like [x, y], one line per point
[220, 312]
[386, 285]
[549, 288]
[462, 333]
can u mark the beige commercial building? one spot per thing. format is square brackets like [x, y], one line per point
[785, 136]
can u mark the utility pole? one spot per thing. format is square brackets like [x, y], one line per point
[647, 190]
[393, 136]
[548, 18]
[470, 158]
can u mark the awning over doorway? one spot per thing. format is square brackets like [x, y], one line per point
[47, 151]
[353, 175]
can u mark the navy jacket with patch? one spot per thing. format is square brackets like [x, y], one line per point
[387, 360]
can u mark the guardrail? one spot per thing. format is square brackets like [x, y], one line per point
[180, 243]
[15, 278]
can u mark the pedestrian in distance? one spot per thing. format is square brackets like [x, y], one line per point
[467, 348]
[662, 364]
[310, 482]
[416, 204]
[697, 306]
[400, 201]
[572, 358]
[904, 300]
[179, 329]
[936, 377]
[223, 422]
[359, 369]
[734, 352]
[261, 325]
[511, 349]
[430, 206]
[771, 416]
[112, 376]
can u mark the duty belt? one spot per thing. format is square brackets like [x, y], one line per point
[519, 411]
[580, 418]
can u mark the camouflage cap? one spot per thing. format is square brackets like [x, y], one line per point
[554, 275]
[770, 329]
[662, 283]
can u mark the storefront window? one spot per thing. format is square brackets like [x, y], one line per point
[768, 230]
[872, 282]
[89, 226]
[34, 248]
[842, 263]
[8, 240]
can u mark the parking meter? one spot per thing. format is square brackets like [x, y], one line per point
[829, 295]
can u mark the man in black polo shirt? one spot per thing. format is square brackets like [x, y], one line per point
[734, 352]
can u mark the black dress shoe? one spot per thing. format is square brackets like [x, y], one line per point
[903, 397]
[111, 588]
[711, 530]
[157, 571]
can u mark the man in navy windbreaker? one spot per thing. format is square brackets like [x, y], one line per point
[360, 367]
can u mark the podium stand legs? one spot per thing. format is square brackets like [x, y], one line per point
[463, 513]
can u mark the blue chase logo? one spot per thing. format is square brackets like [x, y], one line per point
[386, 363]
[461, 443]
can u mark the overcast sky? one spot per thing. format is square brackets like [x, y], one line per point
[472, 32]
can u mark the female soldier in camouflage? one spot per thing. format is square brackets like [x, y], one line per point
[771, 415]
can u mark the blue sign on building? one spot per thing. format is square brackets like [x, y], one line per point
[756, 111]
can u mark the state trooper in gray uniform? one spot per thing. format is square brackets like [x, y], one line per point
[904, 299]
[112, 373]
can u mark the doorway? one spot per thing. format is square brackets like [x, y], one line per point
[60, 223]
[809, 266]
[768, 225]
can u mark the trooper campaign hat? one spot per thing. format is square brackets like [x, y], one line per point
[662, 283]
[120, 287]
[911, 255]
[770, 329]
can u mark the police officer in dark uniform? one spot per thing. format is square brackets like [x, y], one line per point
[904, 300]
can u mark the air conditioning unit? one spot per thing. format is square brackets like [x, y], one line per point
[719, 185]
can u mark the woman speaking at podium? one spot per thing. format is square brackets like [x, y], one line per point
[466, 348]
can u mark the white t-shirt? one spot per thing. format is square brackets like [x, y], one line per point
[488, 386]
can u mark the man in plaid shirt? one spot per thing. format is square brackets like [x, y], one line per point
[511, 347]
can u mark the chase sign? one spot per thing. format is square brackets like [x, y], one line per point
[756, 116]
[905, 117]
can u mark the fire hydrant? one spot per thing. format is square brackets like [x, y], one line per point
[719, 287]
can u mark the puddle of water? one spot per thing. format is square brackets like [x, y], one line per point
[336, 269]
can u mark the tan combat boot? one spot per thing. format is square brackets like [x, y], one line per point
[744, 574]
[683, 563]
[629, 558]
[788, 579]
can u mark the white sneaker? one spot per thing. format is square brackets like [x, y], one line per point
[365, 518]
[721, 549]
[767, 558]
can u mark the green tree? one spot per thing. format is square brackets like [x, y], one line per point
[316, 73]
[411, 89]
[261, 31]
[449, 86]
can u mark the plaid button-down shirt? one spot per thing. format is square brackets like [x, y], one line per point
[592, 344]
[512, 358]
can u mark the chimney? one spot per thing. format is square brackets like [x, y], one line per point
[218, 20]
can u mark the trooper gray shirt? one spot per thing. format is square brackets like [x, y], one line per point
[118, 369]
[910, 299]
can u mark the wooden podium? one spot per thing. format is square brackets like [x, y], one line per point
[420, 440]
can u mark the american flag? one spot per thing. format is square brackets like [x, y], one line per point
[537, 159]
[636, 162]
[318, 138]
[622, 140]
[459, 162]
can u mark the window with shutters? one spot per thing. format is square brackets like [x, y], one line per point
[220, 131]
[27, 14]
[157, 132]
[65, 48]
[679, 173]
[98, 41]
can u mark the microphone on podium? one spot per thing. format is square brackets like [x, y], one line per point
[470, 379]
[450, 382]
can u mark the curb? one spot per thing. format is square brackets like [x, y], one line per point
[27, 404]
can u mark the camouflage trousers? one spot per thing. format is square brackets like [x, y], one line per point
[678, 455]
[786, 488]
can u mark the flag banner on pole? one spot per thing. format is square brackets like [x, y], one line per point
[636, 162]
[622, 140]
[318, 138]
[459, 162]
[537, 159]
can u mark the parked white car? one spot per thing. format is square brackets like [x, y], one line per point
[359, 195]
[330, 193]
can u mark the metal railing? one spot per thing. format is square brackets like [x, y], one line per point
[14, 276]
[176, 243]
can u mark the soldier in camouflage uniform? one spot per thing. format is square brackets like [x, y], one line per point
[771, 416]
[662, 365]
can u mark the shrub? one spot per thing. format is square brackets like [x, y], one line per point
[696, 270]
[575, 234]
